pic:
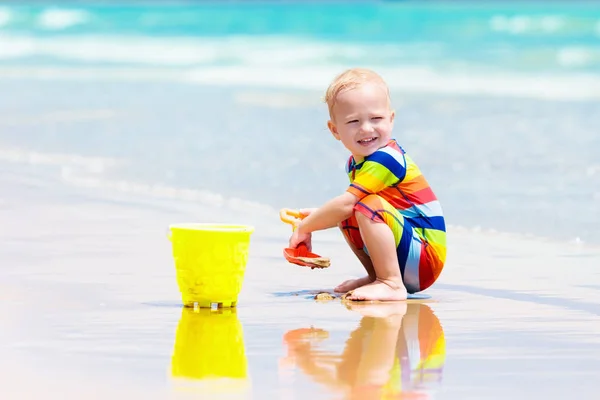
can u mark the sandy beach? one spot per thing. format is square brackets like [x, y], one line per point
[117, 121]
[91, 308]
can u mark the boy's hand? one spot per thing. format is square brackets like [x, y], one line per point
[306, 211]
[300, 237]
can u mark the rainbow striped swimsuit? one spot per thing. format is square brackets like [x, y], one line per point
[391, 189]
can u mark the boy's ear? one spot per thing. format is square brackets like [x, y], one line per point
[333, 129]
[392, 116]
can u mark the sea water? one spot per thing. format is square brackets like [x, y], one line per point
[498, 102]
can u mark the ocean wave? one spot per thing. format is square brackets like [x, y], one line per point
[245, 51]
[558, 25]
[57, 19]
[521, 24]
[185, 51]
[5, 16]
[95, 165]
[91, 172]
[578, 56]
[417, 79]
[160, 191]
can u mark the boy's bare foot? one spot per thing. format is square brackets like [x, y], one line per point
[352, 284]
[379, 291]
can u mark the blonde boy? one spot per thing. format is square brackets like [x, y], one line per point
[389, 215]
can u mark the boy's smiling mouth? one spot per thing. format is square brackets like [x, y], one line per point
[367, 140]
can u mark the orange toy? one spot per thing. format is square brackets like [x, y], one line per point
[300, 255]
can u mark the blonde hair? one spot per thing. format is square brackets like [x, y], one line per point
[350, 79]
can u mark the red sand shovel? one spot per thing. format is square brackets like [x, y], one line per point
[300, 255]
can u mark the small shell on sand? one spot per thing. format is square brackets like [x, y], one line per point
[324, 296]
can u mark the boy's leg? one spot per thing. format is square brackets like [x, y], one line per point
[352, 235]
[380, 240]
[418, 262]
[381, 228]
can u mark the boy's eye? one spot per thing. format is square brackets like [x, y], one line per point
[376, 118]
[352, 121]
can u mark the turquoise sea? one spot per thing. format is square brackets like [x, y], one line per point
[497, 101]
[442, 37]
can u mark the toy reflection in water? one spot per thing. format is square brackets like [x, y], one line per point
[209, 357]
[397, 352]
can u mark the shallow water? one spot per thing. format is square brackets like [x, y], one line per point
[505, 164]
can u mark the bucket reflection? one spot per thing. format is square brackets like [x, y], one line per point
[209, 357]
[397, 351]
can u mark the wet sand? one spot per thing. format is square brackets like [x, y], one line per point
[90, 308]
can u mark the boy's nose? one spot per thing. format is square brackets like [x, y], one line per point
[366, 127]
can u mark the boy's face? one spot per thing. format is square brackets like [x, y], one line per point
[362, 119]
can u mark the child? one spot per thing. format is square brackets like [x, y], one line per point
[389, 215]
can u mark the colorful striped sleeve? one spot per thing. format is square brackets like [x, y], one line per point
[382, 169]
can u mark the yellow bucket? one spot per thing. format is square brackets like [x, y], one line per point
[210, 262]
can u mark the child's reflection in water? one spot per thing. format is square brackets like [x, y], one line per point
[396, 352]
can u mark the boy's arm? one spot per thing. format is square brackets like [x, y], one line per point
[330, 214]
[384, 168]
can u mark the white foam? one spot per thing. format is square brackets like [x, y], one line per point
[552, 23]
[5, 16]
[520, 24]
[160, 191]
[576, 56]
[289, 63]
[21, 47]
[57, 19]
[124, 50]
[181, 51]
[242, 52]
[89, 172]
[417, 80]
[95, 165]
